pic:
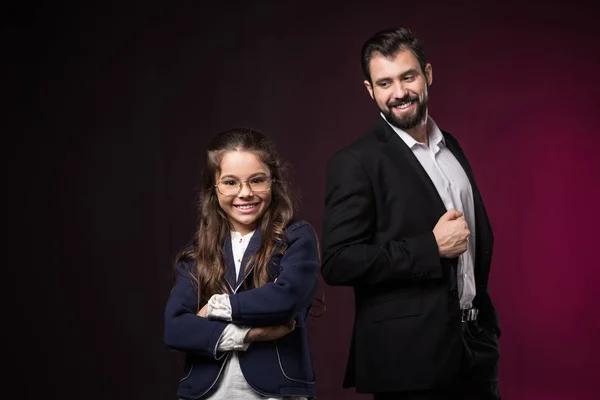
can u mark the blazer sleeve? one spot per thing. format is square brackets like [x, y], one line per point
[278, 303]
[184, 330]
[350, 258]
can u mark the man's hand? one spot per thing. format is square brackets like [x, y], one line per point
[451, 234]
[269, 333]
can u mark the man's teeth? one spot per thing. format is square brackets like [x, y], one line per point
[246, 207]
[404, 105]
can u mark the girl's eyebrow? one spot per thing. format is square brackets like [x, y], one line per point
[235, 177]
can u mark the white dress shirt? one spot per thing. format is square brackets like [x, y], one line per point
[454, 188]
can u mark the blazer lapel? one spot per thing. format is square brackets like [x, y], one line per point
[229, 265]
[252, 248]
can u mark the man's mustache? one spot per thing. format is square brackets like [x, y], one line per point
[405, 99]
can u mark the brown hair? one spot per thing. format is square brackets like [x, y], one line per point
[214, 226]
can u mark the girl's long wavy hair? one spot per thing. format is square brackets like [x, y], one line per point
[214, 226]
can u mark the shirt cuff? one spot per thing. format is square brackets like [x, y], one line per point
[219, 307]
[233, 338]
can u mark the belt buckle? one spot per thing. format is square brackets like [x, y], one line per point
[469, 314]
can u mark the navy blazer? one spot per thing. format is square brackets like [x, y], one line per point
[277, 368]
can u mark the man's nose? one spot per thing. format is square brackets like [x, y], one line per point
[399, 90]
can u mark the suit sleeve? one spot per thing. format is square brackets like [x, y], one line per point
[350, 258]
[184, 330]
[278, 303]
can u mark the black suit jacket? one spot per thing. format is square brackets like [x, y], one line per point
[380, 211]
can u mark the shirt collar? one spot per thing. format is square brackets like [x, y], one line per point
[237, 235]
[433, 131]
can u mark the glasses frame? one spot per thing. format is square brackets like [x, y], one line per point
[268, 177]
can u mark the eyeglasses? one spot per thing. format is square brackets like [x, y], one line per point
[232, 187]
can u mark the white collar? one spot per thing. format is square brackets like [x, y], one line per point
[433, 131]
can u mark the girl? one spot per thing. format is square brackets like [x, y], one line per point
[244, 288]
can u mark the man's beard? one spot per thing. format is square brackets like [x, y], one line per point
[406, 122]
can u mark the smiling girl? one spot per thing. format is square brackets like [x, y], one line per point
[245, 286]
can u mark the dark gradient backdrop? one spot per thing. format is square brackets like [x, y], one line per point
[108, 109]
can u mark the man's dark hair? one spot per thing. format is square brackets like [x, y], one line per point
[389, 43]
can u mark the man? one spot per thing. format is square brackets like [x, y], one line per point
[406, 227]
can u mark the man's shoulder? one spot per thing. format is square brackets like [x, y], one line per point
[365, 144]
[448, 135]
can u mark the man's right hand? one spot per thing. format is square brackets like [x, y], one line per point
[451, 234]
[269, 333]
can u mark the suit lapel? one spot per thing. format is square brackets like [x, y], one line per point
[458, 154]
[403, 155]
[483, 230]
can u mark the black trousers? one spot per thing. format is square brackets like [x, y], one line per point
[478, 375]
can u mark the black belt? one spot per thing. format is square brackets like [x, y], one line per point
[469, 314]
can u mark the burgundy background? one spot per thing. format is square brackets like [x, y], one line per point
[109, 107]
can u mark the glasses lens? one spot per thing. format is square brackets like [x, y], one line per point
[229, 187]
[259, 184]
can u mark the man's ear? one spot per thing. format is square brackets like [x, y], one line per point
[369, 88]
